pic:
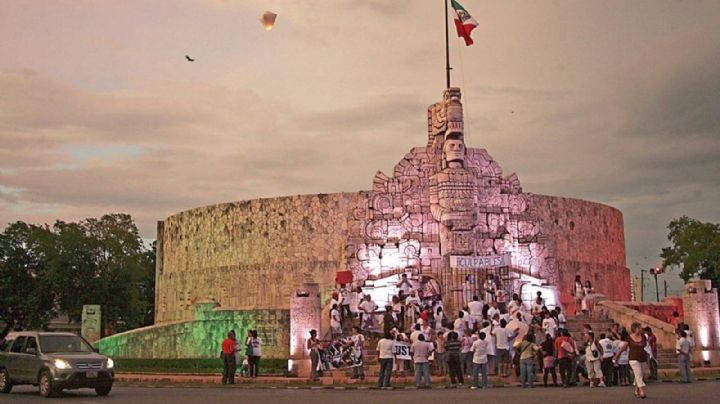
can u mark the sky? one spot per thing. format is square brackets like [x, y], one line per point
[611, 101]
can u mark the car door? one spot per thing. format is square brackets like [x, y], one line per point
[15, 359]
[31, 362]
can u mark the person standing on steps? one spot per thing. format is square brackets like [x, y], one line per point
[652, 361]
[359, 343]
[421, 351]
[593, 358]
[313, 345]
[682, 349]
[386, 351]
[480, 361]
[527, 351]
[452, 345]
[579, 295]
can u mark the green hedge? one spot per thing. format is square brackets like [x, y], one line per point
[204, 365]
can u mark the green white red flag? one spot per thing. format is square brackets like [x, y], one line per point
[464, 22]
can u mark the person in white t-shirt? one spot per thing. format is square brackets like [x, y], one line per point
[475, 308]
[414, 334]
[480, 361]
[519, 328]
[367, 313]
[491, 352]
[469, 320]
[405, 286]
[422, 350]
[493, 310]
[335, 325]
[412, 308]
[386, 353]
[514, 305]
[459, 324]
[466, 353]
[606, 363]
[344, 293]
[359, 345]
[562, 320]
[549, 326]
[355, 300]
[502, 336]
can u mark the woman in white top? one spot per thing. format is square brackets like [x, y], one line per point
[255, 344]
[579, 294]
[335, 324]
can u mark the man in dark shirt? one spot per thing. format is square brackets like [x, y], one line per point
[228, 356]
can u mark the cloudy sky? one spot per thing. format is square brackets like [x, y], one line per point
[611, 101]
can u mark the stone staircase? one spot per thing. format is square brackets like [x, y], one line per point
[600, 324]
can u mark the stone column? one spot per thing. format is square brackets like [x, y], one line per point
[305, 314]
[90, 325]
[700, 304]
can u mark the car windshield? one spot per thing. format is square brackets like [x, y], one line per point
[63, 343]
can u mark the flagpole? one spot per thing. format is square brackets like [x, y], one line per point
[447, 48]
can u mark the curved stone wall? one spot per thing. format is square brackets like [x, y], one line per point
[249, 254]
[587, 239]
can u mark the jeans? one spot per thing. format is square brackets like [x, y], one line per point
[480, 367]
[385, 372]
[422, 370]
[229, 367]
[456, 375]
[624, 374]
[684, 363]
[565, 371]
[527, 372]
[653, 368]
[466, 363]
[359, 371]
[608, 371]
[441, 362]
[254, 362]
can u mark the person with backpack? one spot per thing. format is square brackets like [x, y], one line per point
[593, 356]
[565, 352]
[527, 351]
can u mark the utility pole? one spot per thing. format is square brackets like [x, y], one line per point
[642, 284]
[665, 282]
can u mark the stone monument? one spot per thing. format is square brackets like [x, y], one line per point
[700, 304]
[90, 327]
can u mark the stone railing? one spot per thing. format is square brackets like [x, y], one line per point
[625, 316]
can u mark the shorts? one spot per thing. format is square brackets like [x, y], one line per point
[503, 355]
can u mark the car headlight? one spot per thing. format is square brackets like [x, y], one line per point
[61, 364]
[109, 364]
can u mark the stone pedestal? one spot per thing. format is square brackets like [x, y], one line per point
[90, 327]
[305, 315]
[700, 303]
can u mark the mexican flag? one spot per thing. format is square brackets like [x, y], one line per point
[464, 22]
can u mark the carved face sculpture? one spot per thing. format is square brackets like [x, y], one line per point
[454, 150]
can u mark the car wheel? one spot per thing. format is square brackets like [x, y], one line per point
[5, 383]
[103, 390]
[45, 383]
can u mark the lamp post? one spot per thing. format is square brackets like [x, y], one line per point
[655, 271]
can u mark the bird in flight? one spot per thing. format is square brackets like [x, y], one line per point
[189, 59]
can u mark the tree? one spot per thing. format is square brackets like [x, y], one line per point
[695, 249]
[45, 270]
[27, 294]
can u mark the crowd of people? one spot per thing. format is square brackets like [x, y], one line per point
[487, 337]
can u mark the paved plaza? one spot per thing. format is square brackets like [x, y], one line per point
[657, 393]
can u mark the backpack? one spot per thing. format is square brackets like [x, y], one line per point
[568, 348]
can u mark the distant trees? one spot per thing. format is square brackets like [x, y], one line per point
[46, 270]
[695, 249]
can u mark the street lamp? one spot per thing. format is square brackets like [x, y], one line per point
[655, 271]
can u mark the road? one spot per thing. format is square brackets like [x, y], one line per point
[704, 392]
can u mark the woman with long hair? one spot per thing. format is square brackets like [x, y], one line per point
[254, 344]
[638, 357]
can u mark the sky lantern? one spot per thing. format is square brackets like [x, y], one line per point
[268, 20]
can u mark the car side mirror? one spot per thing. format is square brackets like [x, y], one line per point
[31, 351]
